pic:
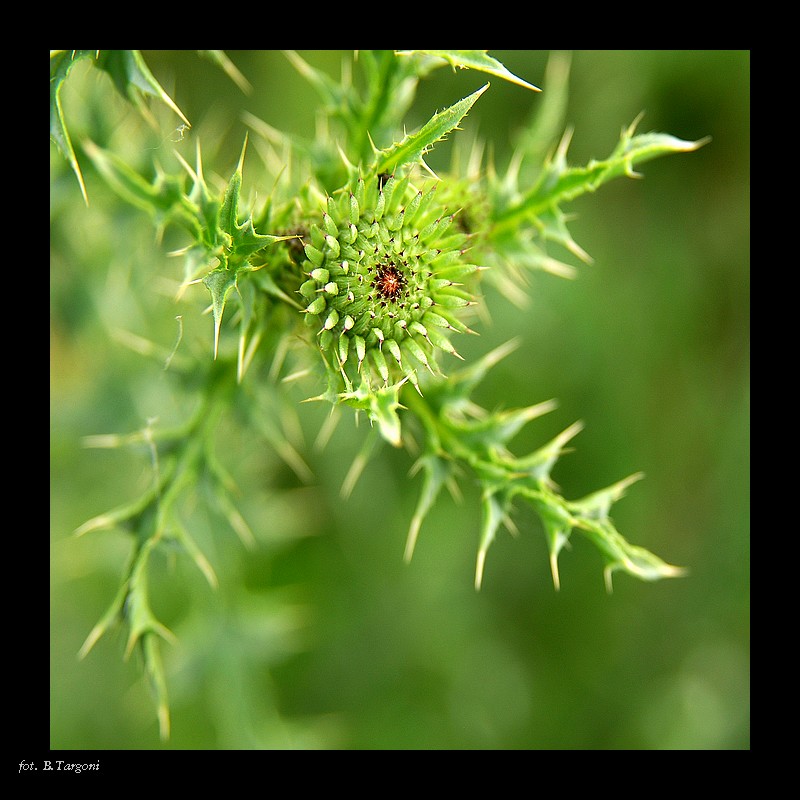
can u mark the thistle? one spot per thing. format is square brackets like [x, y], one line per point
[375, 262]
[385, 287]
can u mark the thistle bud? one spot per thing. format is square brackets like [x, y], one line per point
[374, 278]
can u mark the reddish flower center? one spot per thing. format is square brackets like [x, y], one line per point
[389, 282]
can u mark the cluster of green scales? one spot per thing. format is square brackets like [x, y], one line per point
[385, 273]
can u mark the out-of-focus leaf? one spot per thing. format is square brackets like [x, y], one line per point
[220, 58]
[61, 61]
[133, 78]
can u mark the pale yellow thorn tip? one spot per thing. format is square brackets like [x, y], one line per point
[607, 577]
[554, 570]
[163, 722]
[479, 569]
[91, 640]
[244, 149]
[100, 522]
[216, 337]
[671, 571]
[79, 176]
[411, 542]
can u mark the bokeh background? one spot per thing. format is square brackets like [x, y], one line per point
[322, 637]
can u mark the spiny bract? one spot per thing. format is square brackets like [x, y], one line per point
[384, 268]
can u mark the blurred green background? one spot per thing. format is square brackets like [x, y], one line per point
[322, 637]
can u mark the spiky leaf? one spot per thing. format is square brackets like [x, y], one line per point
[560, 183]
[132, 78]
[414, 146]
[475, 59]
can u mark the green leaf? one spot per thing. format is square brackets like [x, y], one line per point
[474, 59]
[413, 147]
[222, 245]
[113, 614]
[540, 463]
[460, 431]
[154, 670]
[229, 210]
[558, 525]
[133, 78]
[61, 61]
[220, 58]
[381, 406]
[181, 535]
[495, 430]
[622, 555]
[560, 183]
[141, 619]
[534, 140]
[463, 382]
[598, 504]
[243, 238]
[494, 512]
[132, 605]
[162, 197]
[204, 205]
[219, 282]
[437, 472]
[330, 91]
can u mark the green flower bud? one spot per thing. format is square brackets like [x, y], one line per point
[385, 267]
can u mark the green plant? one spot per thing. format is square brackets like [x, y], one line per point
[352, 270]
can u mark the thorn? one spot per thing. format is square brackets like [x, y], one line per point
[479, 570]
[554, 570]
[411, 541]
